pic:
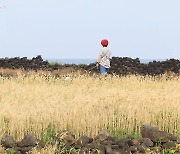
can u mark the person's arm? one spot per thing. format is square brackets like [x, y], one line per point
[99, 59]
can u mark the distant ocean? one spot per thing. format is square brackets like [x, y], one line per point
[88, 61]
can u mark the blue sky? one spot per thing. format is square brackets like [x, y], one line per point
[74, 28]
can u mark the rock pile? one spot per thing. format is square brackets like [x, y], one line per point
[35, 63]
[152, 141]
[119, 65]
[124, 66]
[22, 147]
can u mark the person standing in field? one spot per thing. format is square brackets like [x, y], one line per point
[103, 62]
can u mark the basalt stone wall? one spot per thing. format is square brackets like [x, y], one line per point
[24, 63]
[127, 65]
[119, 65]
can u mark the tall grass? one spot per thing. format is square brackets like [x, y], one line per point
[86, 104]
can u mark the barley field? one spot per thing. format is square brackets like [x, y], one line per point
[86, 104]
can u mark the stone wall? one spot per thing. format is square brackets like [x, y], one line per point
[152, 141]
[119, 65]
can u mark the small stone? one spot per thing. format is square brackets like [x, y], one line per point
[115, 140]
[104, 133]
[107, 142]
[133, 149]
[116, 151]
[156, 149]
[141, 148]
[147, 142]
[66, 137]
[28, 140]
[168, 136]
[25, 150]
[102, 149]
[170, 144]
[115, 146]
[40, 144]
[83, 140]
[108, 149]
[83, 151]
[77, 146]
[93, 145]
[133, 142]
[156, 135]
[101, 137]
[8, 141]
[122, 144]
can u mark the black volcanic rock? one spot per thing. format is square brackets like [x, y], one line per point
[119, 65]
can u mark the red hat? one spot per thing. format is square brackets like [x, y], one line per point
[104, 42]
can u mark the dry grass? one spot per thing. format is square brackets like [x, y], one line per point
[60, 72]
[85, 105]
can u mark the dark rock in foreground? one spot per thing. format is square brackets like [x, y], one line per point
[8, 141]
[156, 135]
[153, 141]
[22, 147]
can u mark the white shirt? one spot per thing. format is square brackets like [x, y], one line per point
[106, 55]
